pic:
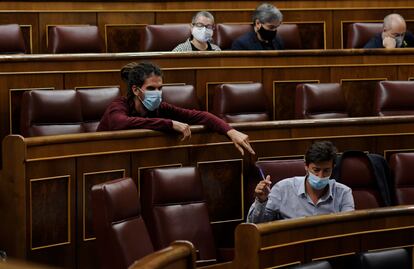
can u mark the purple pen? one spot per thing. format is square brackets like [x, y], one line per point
[264, 178]
[262, 174]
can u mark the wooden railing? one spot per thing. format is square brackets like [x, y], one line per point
[279, 72]
[287, 242]
[180, 255]
[45, 182]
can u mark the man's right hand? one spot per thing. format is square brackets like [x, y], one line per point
[263, 189]
[183, 128]
[389, 42]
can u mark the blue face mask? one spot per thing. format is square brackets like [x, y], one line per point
[317, 183]
[152, 99]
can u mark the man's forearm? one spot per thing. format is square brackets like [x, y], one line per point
[257, 212]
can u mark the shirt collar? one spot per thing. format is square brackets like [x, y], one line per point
[301, 189]
[328, 195]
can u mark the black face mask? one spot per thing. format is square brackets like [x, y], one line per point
[266, 34]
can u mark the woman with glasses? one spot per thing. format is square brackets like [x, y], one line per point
[266, 19]
[202, 28]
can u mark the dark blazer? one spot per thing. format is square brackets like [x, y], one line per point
[249, 41]
[376, 41]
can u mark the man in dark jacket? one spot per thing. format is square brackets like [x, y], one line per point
[394, 34]
[266, 20]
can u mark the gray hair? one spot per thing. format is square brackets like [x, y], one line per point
[203, 14]
[390, 19]
[267, 13]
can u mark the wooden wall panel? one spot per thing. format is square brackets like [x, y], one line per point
[387, 239]
[175, 76]
[223, 185]
[283, 82]
[92, 79]
[314, 27]
[176, 17]
[27, 31]
[405, 73]
[359, 86]
[207, 80]
[359, 96]
[388, 146]
[52, 214]
[284, 94]
[124, 32]
[50, 210]
[94, 170]
[364, 72]
[153, 159]
[124, 37]
[235, 16]
[313, 35]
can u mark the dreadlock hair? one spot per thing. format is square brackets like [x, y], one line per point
[137, 73]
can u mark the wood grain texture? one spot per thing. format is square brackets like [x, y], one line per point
[93, 156]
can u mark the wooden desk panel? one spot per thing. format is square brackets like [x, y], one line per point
[282, 243]
[66, 166]
[280, 72]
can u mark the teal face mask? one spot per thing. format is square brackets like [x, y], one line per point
[152, 99]
[317, 183]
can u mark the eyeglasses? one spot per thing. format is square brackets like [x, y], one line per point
[200, 25]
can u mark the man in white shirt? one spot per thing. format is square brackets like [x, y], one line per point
[313, 194]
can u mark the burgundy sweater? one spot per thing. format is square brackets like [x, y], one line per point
[121, 115]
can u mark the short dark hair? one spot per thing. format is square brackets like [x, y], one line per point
[321, 151]
[136, 74]
[266, 12]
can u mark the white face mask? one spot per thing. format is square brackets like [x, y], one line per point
[202, 34]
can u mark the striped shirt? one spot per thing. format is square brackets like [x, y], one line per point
[186, 46]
